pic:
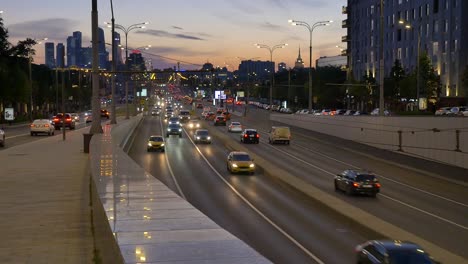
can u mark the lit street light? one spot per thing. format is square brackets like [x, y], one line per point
[311, 30]
[271, 49]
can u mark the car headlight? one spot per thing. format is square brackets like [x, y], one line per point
[191, 125]
[149, 144]
[252, 165]
[198, 125]
[168, 129]
[198, 138]
[208, 138]
[162, 145]
[188, 117]
[234, 165]
[180, 129]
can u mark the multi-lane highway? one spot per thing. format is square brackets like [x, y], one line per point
[285, 225]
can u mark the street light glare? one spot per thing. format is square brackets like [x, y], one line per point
[290, 21]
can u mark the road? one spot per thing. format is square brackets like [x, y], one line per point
[425, 198]
[282, 224]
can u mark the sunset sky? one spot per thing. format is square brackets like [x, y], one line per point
[192, 31]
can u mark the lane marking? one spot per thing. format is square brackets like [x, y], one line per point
[381, 176]
[20, 135]
[383, 195]
[305, 250]
[169, 164]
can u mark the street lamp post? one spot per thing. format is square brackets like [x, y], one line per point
[311, 30]
[113, 114]
[126, 30]
[271, 49]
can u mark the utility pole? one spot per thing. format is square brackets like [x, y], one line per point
[96, 107]
[113, 113]
[63, 107]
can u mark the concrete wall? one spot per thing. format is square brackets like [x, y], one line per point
[427, 137]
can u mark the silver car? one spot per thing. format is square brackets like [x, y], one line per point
[2, 138]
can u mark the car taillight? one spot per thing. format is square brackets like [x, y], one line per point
[377, 185]
[245, 135]
[46, 125]
[32, 125]
[258, 135]
[355, 184]
[56, 119]
[68, 119]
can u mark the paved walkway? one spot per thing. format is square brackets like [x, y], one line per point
[44, 205]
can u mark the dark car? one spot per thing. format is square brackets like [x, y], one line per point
[2, 138]
[58, 121]
[353, 182]
[105, 113]
[155, 111]
[184, 116]
[392, 251]
[250, 136]
[220, 121]
[201, 136]
[174, 129]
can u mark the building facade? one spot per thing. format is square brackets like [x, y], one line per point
[282, 66]
[102, 52]
[438, 28]
[60, 55]
[49, 55]
[299, 64]
[255, 70]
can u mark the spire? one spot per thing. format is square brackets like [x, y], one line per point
[299, 57]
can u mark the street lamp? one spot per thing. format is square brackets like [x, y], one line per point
[271, 49]
[311, 30]
[408, 26]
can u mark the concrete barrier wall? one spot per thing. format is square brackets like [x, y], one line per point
[438, 138]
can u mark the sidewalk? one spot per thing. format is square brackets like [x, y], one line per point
[44, 205]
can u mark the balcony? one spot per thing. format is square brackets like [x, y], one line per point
[344, 10]
[345, 38]
[344, 23]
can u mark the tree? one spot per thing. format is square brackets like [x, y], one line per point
[430, 83]
[397, 74]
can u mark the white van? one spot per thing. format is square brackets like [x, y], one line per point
[279, 134]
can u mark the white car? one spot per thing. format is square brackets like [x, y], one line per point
[235, 127]
[88, 116]
[42, 126]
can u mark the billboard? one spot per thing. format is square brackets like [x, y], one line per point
[220, 95]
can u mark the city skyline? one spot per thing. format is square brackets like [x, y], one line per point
[216, 32]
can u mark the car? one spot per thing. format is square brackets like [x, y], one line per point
[210, 116]
[235, 127]
[2, 138]
[88, 116]
[168, 114]
[392, 251]
[227, 115]
[75, 117]
[173, 120]
[193, 124]
[155, 142]
[250, 135]
[219, 121]
[105, 113]
[279, 134]
[42, 126]
[184, 116]
[201, 136]
[174, 129]
[353, 182]
[456, 111]
[199, 105]
[220, 111]
[376, 112]
[155, 111]
[442, 111]
[349, 112]
[239, 161]
[58, 121]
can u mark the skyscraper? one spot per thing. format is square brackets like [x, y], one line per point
[299, 64]
[78, 45]
[71, 56]
[103, 54]
[281, 66]
[119, 59]
[49, 54]
[60, 56]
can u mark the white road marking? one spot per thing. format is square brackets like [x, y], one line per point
[169, 164]
[381, 176]
[20, 135]
[383, 195]
[305, 250]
